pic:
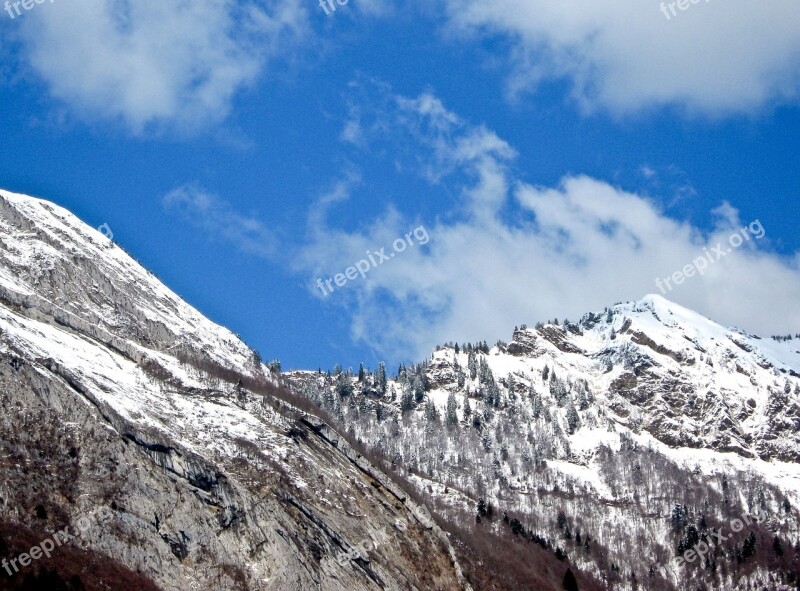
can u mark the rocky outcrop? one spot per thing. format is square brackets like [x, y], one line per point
[118, 395]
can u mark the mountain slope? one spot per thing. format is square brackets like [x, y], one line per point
[118, 395]
[642, 427]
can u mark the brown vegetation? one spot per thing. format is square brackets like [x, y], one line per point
[67, 569]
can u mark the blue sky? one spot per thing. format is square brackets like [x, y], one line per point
[560, 157]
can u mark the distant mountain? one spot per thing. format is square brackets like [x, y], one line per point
[617, 443]
[119, 397]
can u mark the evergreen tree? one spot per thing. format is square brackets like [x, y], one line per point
[485, 509]
[418, 388]
[559, 390]
[689, 540]
[328, 399]
[679, 518]
[481, 507]
[487, 413]
[497, 397]
[361, 373]
[452, 415]
[338, 409]
[343, 385]
[570, 584]
[777, 546]
[472, 365]
[583, 395]
[407, 401]
[485, 375]
[431, 412]
[749, 546]
[382, 378]
[573, 420]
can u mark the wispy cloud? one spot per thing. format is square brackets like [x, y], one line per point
[217, 217]
[156, 65]
[514, 252]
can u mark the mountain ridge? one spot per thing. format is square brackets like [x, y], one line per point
[537, 427]
[609, 446]
[119, 394]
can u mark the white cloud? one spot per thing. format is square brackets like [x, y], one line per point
[717, 57]
[209, 213]
[516, 253]
[153, 64]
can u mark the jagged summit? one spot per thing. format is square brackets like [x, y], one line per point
[691, 381]
[667, 329]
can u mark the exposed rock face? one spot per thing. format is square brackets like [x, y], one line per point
[559, 337]
[523, 343]
[641, 428]
[117, 394]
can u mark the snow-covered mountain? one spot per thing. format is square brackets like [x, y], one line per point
[117, 395]
[618, 442]
[605, 449]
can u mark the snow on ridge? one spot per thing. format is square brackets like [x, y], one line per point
[63, 235]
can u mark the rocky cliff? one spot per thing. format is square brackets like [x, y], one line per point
[116, 394]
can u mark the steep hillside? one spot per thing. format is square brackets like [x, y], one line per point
[617, 443]
[118, 396]
[603, 452]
